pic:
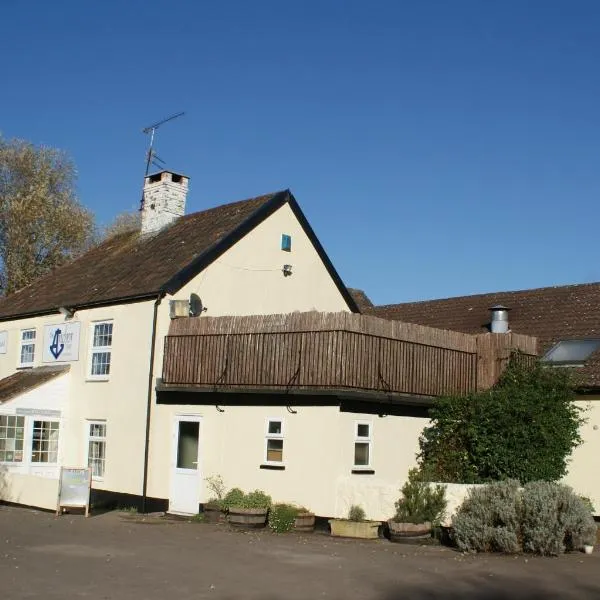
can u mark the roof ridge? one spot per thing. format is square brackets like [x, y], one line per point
[243, 201]
[501, 292]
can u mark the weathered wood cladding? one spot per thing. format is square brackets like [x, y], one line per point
[330, 351]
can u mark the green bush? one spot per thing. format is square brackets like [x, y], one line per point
[489, 519]
[555, 519]
[282, 517]
[234, 497]
[420, 502]
[257, 499]
[524, 428]
[541, 518]
[356, 513]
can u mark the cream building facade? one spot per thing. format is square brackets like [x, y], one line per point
[261, 257]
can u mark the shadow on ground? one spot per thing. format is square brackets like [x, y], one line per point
[495, 588]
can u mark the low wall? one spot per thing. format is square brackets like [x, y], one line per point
[29, 490]
[455, 496]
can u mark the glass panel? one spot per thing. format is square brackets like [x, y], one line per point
[275, 450]
[362, 430]
[361, 454]
[44, 445]
[187, 445]
[101, 363]
[275, 427]
[572, 351]
[27, 353]
[11, 438]
[103, 335]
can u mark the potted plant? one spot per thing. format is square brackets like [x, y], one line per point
[305, 521]
[355, 526]
[420, 508]
[214, 509]
[247, 510]
[282, 517]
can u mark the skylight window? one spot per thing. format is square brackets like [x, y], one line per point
[571, 353]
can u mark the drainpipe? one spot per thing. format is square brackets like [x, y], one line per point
[149, 401]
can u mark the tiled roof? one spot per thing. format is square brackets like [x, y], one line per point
[362, 300]
[132, 265]
[23, 381]
[551, 314]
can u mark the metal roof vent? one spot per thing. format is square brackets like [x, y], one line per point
[499, 322]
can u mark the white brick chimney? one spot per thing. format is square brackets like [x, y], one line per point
[164, 200]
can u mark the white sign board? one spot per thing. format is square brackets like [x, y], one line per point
[3, 341]
[61, 342]
[74, 488]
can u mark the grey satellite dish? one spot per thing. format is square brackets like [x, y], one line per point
[196, 307]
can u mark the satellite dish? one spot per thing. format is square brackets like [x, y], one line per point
[196, 307]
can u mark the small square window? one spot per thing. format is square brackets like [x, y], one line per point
[274, 441]
[362, 430]
[362, 445]
[286, 242]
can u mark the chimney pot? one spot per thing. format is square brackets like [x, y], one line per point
[499, 319]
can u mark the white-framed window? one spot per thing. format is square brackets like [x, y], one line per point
[362, 444]
[274, 442]
[101, 349]
[12, 438]
[44, 441]
[27, 348]
[97, 447]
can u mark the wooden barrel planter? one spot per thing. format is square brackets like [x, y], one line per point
[305, 522]
[213, 513]
[408, 532]
[248, 518]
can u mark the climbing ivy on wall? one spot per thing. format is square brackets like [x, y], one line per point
[524, 428]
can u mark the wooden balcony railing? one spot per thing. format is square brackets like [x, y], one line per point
[315, 351]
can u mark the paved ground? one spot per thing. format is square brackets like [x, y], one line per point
[106, 557]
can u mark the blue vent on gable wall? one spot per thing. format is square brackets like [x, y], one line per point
[286, 242]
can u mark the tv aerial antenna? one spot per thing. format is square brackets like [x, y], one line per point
[151, 157]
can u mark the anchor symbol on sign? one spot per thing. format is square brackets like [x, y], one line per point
[55, 347]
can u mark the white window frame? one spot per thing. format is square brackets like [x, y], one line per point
[22, 343]
[99, 349]
[274, 436]
[89, 439]
[30, 450]
[360, 439]
[23, 461]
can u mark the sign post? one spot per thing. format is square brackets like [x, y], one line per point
[74, 489]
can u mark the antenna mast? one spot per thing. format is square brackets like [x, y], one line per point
[151, 156]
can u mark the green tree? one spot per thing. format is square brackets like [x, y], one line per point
[42, 224]
[524, 428]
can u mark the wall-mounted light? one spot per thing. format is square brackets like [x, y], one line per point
[66, 312]
[287, 270]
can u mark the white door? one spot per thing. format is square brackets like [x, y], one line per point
[185, 466]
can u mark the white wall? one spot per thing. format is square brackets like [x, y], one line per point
[582, 473]
[120, 400]
[318, 456]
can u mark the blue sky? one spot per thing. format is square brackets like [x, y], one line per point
[438, 148]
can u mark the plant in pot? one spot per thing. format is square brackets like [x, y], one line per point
[282, 517]
[305, 521]
[214, 509]
[355, 526]
[421, 507]
[247, 510]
